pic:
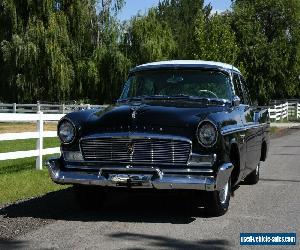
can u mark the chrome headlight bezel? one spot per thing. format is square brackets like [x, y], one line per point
[203, 125]
[70, 125]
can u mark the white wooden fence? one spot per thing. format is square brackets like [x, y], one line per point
[45, 108]
[39, 135]
[294, 109]
[287, 110]
[279, 112]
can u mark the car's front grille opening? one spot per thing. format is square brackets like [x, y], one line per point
[136, 151]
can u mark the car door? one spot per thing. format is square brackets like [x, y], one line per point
[254, 124]
[251, 134]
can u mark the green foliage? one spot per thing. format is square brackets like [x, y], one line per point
[149, 39]
[181, 16]
[214, 39]
[268, 38]
[60, 50]
[49, 51]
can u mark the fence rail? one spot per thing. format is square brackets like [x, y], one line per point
[39, 135]
[45, 108]
[279, 112]
[285, 111]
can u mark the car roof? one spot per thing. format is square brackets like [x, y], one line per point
[185, 64]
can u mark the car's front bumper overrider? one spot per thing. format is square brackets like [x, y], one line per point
[144, 177]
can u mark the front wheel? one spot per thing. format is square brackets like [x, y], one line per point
[217, 202]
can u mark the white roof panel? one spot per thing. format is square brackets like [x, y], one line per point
[189, 62]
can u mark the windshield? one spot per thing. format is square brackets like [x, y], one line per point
[175, 83]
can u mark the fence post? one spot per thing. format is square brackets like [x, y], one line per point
[38, 107]
[39, 144]
[287, 110]
[63, 108]
[14, 108]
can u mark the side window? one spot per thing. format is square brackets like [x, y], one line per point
[238, 88]
[245, 90]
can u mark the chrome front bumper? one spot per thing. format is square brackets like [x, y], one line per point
[141, 178]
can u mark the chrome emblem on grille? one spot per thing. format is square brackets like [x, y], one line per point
[130, 148]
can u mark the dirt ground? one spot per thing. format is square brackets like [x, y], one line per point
[8, 127]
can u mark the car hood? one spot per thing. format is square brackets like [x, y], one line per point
[162, 118]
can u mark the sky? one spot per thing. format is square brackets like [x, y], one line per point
[132, 7]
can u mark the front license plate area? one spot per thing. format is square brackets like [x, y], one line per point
[130, 180]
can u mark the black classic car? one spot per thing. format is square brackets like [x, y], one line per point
[178, 125]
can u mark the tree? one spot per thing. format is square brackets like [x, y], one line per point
[42, 43]
[214, 39]
[181, 15]
[58, 50]
[267, 33]
[149, 39]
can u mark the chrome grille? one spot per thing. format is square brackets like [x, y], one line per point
[136, 151]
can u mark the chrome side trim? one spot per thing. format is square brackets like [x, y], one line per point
[141, 178]
[233, 130]
[241, 128]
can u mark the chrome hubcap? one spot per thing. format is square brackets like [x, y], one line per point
[223, 193]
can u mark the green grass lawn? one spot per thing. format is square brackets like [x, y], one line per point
[28, 144]
[18, 178]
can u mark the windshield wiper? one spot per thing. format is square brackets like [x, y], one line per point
[156, 97]
[131, 99]
[192, 97]
[144, 97]
[174, 97]
[199, 98]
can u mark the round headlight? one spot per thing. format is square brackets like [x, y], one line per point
[207, 134]
[66, 132]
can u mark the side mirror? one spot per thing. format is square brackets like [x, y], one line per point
[236, 101]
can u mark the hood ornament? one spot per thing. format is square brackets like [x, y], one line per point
[130, 148]
[133, 114]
